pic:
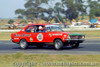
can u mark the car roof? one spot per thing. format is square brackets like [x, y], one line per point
[37, 24]
[40, 24]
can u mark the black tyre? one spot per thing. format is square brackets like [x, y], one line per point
[23, 44]
[58, 44]
[76, 45]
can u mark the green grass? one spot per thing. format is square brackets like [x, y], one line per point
[8, 60]
[89, 33]
[3, 22]
[5, 35]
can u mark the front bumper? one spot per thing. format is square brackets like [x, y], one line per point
[75, 40]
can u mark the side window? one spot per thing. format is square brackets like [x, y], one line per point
[40, 28]
[30, 29]
[53, 28]
[48, 29]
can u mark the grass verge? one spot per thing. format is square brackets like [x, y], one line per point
[5, 35]
[89, 33]
[44, 60]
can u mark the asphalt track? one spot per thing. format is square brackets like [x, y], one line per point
[90, 46]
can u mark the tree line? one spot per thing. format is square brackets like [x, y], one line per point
[70, 9]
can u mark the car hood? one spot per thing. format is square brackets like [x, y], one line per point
[74, 34]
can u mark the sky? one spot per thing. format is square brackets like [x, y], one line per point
[8, 7]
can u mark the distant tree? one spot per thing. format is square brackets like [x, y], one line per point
[59, 10]
[74, 7]
[23, 21]
[34, 9]
[20, 12]
[10, 21]
[66, 8]
[94, 9]
[20, 17]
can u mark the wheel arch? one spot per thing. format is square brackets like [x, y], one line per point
[21, 39]
[57, 38]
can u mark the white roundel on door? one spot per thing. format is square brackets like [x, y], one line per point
[40, 37]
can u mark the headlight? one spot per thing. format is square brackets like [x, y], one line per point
[83, 37]
[65, 36]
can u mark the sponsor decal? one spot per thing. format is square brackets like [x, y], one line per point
[26, 35]
[23, 35]
[31, 39]
[40, 37]
[50, 35]
[16, 38]
[17, 35]
[57, 34]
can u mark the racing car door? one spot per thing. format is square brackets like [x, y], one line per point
[36, 35]
[41, 36]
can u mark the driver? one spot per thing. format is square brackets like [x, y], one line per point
[32, 30]
[41, 29]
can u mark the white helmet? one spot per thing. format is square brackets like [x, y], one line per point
[40, 28]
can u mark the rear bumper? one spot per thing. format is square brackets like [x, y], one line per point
[13, 41]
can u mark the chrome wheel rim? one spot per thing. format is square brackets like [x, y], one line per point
[23, 43]
[57, 44]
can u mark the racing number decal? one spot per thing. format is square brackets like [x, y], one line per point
[40, 37]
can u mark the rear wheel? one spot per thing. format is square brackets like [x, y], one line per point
[58, 44]
[23, 44]
[76, 45]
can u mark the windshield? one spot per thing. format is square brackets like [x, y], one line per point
[53, 28]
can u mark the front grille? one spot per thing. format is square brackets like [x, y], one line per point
[76, 37]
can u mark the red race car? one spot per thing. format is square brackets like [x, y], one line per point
[46, 34]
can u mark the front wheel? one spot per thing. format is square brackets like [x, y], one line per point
[76, 45]
[58, 44]
[23, 44]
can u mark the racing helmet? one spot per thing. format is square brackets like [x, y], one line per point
[40, 28]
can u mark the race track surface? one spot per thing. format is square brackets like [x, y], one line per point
[88, 47]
